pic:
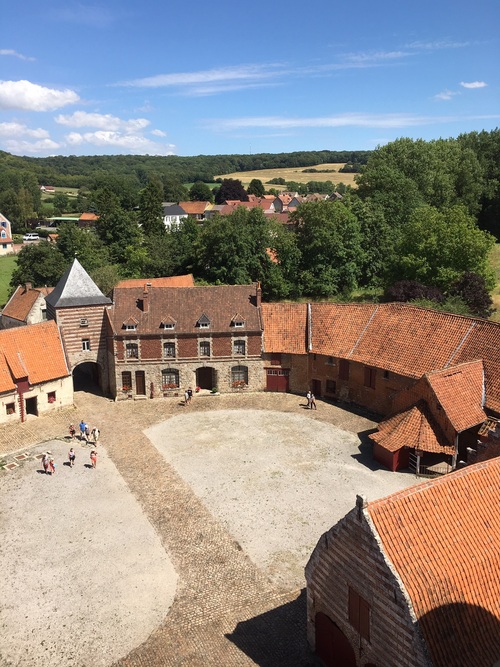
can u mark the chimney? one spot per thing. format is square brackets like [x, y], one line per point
[258, 295]
[27, 287]
[145, 299]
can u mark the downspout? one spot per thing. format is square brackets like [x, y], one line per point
[21, 404]
[309, 342]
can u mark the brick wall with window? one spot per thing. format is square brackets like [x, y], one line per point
[349, 580]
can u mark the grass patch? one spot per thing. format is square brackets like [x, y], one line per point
[293, 174]
[7, 265]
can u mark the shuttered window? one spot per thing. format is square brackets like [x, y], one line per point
[359, 614]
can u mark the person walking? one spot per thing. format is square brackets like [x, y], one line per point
[72, 431]
[87, 432]
[71, 457]
[186, 397]
[82, 429]
[95, 434]
[93, 458]
[313, 402]
[52, 466]
[308, 396]
[45, 463]
[190, 395]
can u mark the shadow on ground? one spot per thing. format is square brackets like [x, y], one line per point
[276, 638]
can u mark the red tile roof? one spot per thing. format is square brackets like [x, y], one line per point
[194, 207]
[285, 327]
[89, 217]
[415, 428]
[460, 392]
[22, 301]
[171, 281]
[35, 351]
[443, 539]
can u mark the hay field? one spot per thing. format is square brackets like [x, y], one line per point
[293, 174]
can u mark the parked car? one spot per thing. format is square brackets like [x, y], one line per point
[31, 237]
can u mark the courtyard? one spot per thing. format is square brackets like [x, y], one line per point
[186, 546]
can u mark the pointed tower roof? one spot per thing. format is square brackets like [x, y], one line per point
[76, 288]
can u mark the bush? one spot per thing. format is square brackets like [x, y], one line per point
[471, 288]
[411, 290]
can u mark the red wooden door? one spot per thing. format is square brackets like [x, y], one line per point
[332, 646]
[277, 379]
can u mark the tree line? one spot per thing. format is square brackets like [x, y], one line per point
[418, 227]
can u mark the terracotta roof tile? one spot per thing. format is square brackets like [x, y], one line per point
[35, 351]
[22, 301]
[89, 217]
[443, 538]
[285, 327]
[460, 391]
[170, 281]
[194, 207]
[337, 328]
[415, 428]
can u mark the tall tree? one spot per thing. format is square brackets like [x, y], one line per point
[230, 189]
[151, 209]
[83, 244]
[200, 191]
[438, 247]
[329, 238]
[41, 264]
[256, 188]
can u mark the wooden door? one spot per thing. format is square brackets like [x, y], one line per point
[140, 383]
[332, 646]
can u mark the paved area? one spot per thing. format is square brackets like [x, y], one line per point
[228, 610]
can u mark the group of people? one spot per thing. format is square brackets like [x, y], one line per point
[188, 396]
[86, 433]
[49, 465]
[311, 401]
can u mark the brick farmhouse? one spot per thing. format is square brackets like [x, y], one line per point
[434, 377]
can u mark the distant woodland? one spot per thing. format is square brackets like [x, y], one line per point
[419, 225]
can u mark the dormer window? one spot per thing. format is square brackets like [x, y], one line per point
[203, 322]
[168, 323]
[238, 322]
[130, 324]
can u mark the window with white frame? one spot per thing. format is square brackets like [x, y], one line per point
[169, 349]
[204, 348]
[239, 347]
[170, 379]
[85, 344]
[132, 351]
[239, 376]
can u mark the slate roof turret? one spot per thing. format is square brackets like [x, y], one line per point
[76, 288]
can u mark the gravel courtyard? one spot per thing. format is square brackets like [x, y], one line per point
[275, 481]
[187, 545]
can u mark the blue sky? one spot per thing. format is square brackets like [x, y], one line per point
[162, 78]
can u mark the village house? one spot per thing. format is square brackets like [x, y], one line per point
[25, 306]
[172, 214]
[6, 241]
[411, 579]
[34, 376]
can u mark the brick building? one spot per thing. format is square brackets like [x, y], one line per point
[411, 580]
[34, 376]
[26, 306]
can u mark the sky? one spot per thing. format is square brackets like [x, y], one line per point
[178, 78]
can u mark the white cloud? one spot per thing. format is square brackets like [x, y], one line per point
[473, 84]
[446, 95]
[223, 74]
[437, 45]
[83, 14]
[394, 121]
[159, 133]
[15, 129]
[22, 147]
[105, 122]
[32, 97]
[11, 52]
[133, 143]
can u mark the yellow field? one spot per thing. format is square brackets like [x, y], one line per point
[293, 174]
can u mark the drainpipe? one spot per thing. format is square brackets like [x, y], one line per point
[20, 398]
[455, 455]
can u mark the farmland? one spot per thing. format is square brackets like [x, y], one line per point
[296, 174]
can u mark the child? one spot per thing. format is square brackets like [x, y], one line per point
[71, 457]
[52, 467]
[93, 458]
[45, 463]
[72, 431]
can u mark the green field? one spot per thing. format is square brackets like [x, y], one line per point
[7, 266]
